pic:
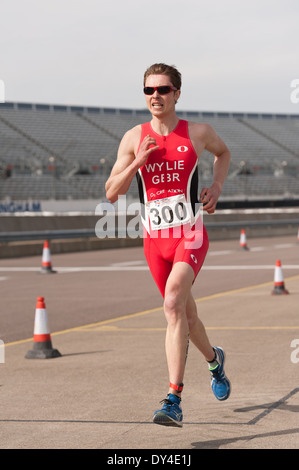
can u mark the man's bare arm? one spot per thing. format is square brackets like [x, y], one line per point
[214, 144]
[127, 164]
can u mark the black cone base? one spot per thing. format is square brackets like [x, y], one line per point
[42, 350]
[279, 290]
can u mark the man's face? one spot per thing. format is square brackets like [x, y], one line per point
[160, 105]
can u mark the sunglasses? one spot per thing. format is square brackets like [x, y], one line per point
[162, 90]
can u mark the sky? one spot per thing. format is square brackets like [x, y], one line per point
[234, 56]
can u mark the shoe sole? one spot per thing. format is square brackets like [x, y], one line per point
[165, 420]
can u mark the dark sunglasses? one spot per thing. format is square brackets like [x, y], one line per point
[162, 90]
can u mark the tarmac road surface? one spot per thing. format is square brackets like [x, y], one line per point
[106, 319]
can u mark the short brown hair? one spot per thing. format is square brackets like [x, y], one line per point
[163, 69]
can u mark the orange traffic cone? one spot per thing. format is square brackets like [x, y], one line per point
[42, 344]
[46, 260]
[243, 240]
[279, 287]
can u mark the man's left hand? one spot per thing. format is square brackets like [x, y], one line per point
[209, 198]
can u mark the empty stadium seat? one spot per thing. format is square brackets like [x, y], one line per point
[65, 152]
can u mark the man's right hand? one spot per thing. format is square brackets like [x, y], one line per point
[145, 149]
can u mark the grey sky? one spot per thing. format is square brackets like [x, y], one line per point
[233, 55]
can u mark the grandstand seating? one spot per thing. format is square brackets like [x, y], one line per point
[67, 152]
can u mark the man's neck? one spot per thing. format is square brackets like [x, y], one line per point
[164, 125]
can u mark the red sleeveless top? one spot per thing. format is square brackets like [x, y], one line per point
[170, 170]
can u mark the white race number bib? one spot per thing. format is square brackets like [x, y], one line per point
[168, 212]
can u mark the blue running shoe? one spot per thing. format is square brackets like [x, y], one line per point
[171, 412]
[219, 382]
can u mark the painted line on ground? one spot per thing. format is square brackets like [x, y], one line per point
[109, 328]
[145, 268]
[153, 310]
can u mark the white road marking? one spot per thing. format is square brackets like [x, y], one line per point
[140, 265]
[284, 245]
[252, 267]
[145, 268]
[218, 253]
[129, 263]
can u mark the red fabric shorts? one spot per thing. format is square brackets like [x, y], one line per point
[162, 252]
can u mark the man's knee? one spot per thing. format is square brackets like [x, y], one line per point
[174, 306]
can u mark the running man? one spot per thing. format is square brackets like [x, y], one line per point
[163, 154]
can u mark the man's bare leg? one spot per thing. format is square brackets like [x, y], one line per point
[198, 334]
[182, 320]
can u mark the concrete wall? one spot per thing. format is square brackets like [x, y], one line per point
[219, 227]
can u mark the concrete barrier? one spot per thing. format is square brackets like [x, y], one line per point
[225, 224]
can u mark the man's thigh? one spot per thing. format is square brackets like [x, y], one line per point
[180, 280]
